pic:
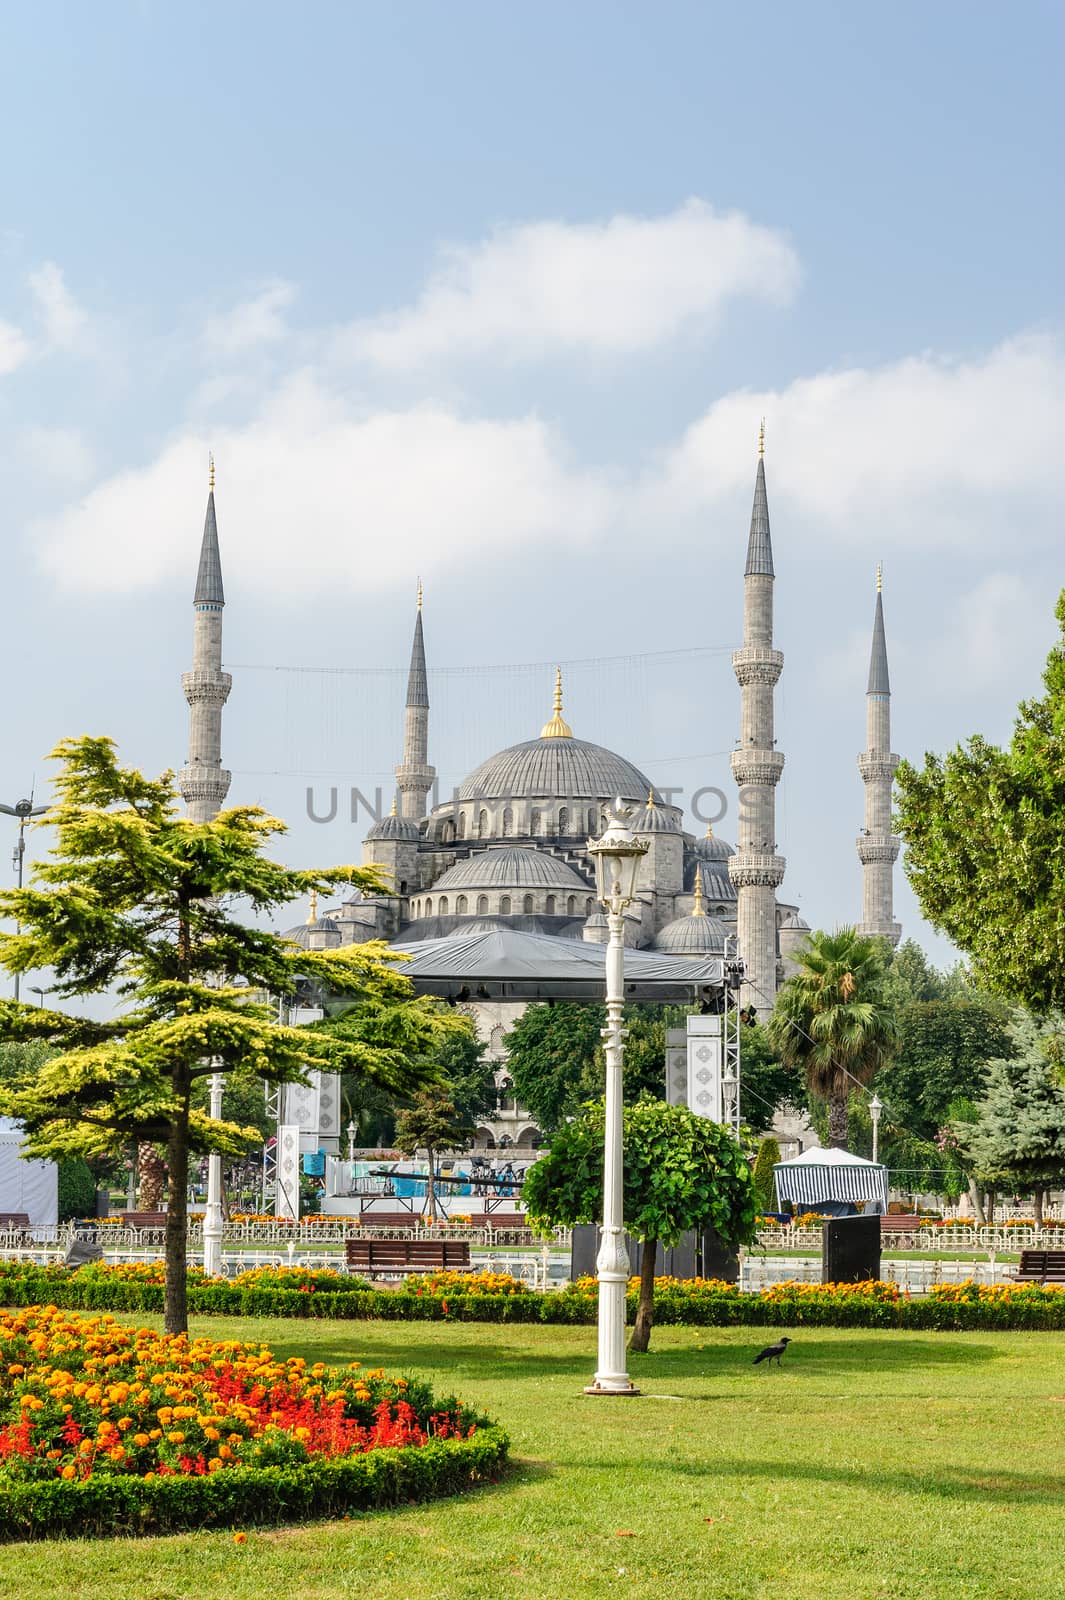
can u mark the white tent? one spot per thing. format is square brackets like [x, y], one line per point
[819, 1175]
[29, 1186]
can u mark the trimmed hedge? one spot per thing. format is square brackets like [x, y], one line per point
[323, 1487]
[948, 1308]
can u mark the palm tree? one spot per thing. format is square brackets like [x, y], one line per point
[835, 1019]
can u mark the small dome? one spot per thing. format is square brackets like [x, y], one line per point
[711, 848]
[394, 827]
[510, 867]
[654, 818]
[301, 934]
[718, 887]
[695, 936]
[794, 923]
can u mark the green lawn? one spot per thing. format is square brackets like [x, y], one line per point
[872, 1465]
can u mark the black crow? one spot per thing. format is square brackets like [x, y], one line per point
[772, 1352]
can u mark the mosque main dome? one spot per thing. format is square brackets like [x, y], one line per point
[551, 767]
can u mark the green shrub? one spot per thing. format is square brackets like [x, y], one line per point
[76, 1188]
[763, 1178]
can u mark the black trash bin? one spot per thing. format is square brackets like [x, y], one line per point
[850, 1249]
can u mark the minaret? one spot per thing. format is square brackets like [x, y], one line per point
[878, 847]
[415, 776]
[756, 869]
[203, 780]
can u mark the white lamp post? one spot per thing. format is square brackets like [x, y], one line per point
[875, 1108]
[212, 1219]
[617, 857]
[352, 1130]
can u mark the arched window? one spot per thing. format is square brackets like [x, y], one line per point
[504, 905]
[563, 819]
[571, 906]
[462, 824]
[508, 822]
[447, 832]
[534, 822]
[497, 1037]
[550, 907]
[591, 819]
[417, 908]
[460, 905]
[429, 908]
[589, 906]
[527, 905]
[482, 905]
[442, 907]
[482, 824]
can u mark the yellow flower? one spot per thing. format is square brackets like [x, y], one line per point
[177, 1437]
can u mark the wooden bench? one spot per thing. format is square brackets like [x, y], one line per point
[394, 1258]
[144, 1219]
[13, 1220]
[899, 1222]
[1041, 1266]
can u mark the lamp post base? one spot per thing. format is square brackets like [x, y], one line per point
[605, 1388]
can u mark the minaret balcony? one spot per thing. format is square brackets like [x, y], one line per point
[754, 870]
[874, 930]
[874, 847]
[757, 663]
[203, 783]
[877, 767]
[206, 688]
[757, 766]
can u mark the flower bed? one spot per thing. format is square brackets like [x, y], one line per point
[105, 1429]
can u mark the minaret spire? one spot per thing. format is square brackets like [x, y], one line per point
[415, 775]
[203, 781]
[878, 847]
[756, 869]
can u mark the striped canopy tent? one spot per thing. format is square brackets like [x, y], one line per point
[820, 1175]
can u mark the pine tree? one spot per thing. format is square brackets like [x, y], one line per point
[764, 1177]
[1018, 1139]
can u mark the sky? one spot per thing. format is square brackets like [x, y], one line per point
[497, 296]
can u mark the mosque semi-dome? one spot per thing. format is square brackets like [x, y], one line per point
[654, 818]
[711, 848]
[695, 935]
[394, 827]
[510, 867]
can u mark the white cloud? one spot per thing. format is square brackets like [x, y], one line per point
[61, 454]
[65, 321]
[312, 499]
[14, 348]
[251, 323]
[997, 635]
[924, 453]
[614, 287]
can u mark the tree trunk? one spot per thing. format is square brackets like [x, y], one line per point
[431, 1207]
[645, 1311]
[989, 1206]
[978, 1205]
[837, 1121]
[175, 1307]
[1037, 1207]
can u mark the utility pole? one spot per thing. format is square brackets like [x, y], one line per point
[23, 810]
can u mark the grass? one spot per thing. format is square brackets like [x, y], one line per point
[905, 1466]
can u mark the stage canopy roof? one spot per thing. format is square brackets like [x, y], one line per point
[831, 1174]
[507, 964]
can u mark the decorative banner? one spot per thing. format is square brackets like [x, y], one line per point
[704, 1062]
[329, 1105]
[677, 1067]
[300, 1104]
[287, 1203]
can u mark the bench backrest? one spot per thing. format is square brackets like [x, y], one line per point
[144, 1219]
[14, 1219]
[426, 1253]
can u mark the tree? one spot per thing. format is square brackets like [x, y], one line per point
[766, 1082]
[432, 1123]
[834, 1019]
[467, 1077]
[555, 1057]
[680, 1172]
[983, 830]
[1017, 1141]
[763, 1176]
[943, 1050]
[137, 899]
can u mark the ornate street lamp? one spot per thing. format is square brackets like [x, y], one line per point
[23, 810]
[351, 1131]
[875, 1108]
[617, 858]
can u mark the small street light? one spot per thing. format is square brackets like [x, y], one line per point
[617, 857]
[40, 993]
[23, 810]
[875, 1108]
[351, 1131]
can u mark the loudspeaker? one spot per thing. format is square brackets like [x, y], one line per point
[850, 1249]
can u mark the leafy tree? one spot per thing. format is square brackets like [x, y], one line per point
[554, 1053]
[764, 1177]
[680, 1171]
[766, 1082]
[465, 1074]
[431, 1123]
[137, 899]
[943, 1050]
[1017, 1141]
[983, 830]
[76, 1189]
[834, 1019]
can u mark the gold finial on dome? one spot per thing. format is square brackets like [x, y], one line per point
[698, 909]
[312, 915]
[651, 798]
[709, 834]
[558, 727]
[210, 472]
[879, 578]
[395, 809]
[761, 439]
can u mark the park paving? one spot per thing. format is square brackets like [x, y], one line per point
[870, 1464]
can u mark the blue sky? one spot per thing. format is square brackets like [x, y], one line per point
[498, 294]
